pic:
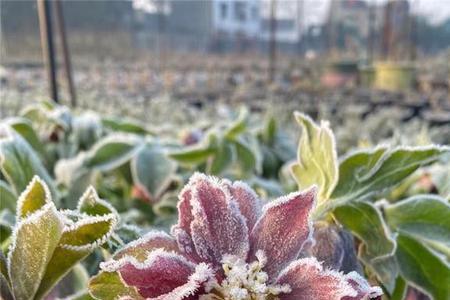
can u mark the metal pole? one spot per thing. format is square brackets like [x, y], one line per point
[60, 24]
[48, 50]
[272, 42]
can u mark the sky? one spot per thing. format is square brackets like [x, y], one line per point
[435, 11]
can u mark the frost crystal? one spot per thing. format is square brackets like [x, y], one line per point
[244, 281]
[225, 246]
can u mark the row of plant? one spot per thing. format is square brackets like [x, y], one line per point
[382, 213]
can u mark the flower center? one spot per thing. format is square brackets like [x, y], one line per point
[245, 281]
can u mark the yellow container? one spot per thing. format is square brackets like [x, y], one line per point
[393, 76]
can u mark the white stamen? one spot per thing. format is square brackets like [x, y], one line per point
[244, 281]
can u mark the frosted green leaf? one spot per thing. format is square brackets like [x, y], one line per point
[7, 197]
[317, 162]
[19, 163]
[222, 159]
[33, 198]
[364, 173]
[248, 154]
[77, 241]
[110, 286]
[34, 241]
[423, 267]
[152, 170]
[25, 129]
[197, 153]
[112, 151]
[238, 126]
[423, 216]
[129, 126]
[365, 221]
[92, 205]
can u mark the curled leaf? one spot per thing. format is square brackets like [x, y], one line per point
[317, 162]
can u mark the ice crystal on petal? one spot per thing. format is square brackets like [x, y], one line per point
[225, 247]
[283, 229]
[218, 227]
[244, 281]
[309, 280]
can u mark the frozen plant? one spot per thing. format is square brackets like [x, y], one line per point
[227, 246]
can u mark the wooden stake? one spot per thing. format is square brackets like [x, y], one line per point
[60, 24]
[48, 50]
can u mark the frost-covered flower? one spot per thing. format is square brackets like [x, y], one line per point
[227, 246]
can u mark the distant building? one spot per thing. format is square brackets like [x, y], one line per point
[347, 25]
[288, 20]
[224, 25]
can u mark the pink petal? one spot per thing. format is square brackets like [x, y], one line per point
[364, 290]
[159, 274]
[194, 286]
[248, 201]
[182, 230]
[283, 229]
[185, 216]
[218, 227]
[308, 281]
[150, 241]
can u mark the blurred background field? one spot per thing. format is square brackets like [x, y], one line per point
[383, 65]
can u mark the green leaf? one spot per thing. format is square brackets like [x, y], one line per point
[92, 205]
[192, 155]
[223, 158]
[238, 126]
[25, 129]
[5, 286]
[34, 241]
[400, 289]
[77, 242]
[7, 197]
[5, 289]
[116, 124]
[423, 216]
[152, 170]
[112, 151]
[110, 286]
[19, 163]
[367, 172]
[248, 154]
[422, 267]
[269, 132]
[364, 220]
[7, 220]
[83, 295]
[33, 198]
[317, 158]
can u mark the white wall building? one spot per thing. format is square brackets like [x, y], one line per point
[236, 17]
[252, 18]
[288, 15]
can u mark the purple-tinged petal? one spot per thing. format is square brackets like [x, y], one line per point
[182, 230]
[150, 241]
[362, 287]
[218, 227]
[283, 229]
[248, 202]
[160, 274]
[185, 216]
[195, 285]
[308, 281]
